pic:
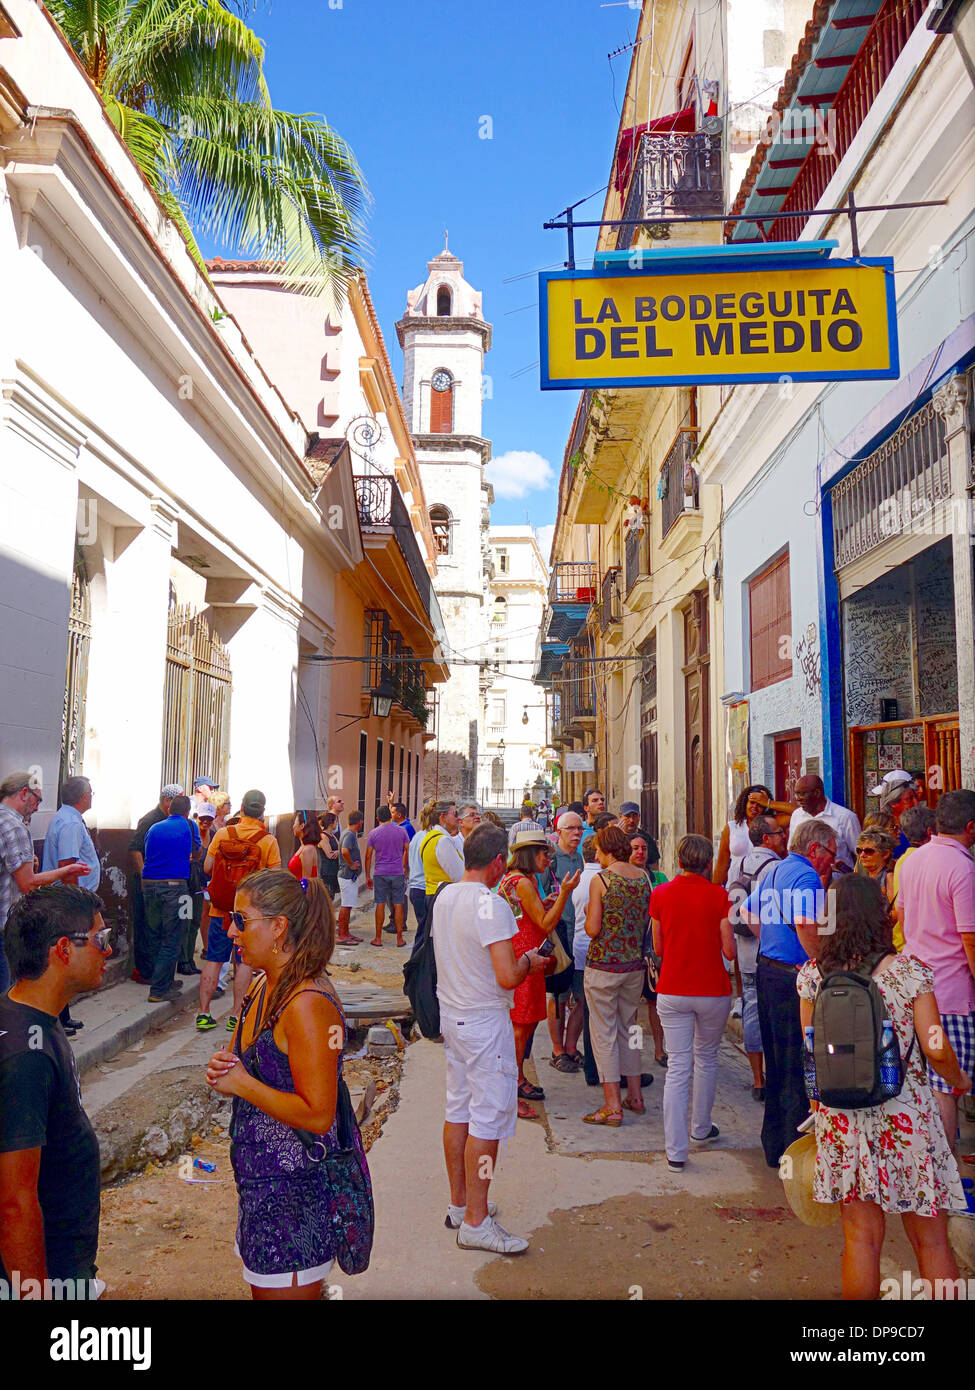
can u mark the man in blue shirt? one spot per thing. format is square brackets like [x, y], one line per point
[67, 838]
[785, 912]
[170, 845]
[67, 841]
[566, 860]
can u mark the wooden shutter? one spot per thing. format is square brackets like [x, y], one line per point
[441, 411]
[770, 615]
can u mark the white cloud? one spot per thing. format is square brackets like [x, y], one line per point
[519, 472]
[544, 536]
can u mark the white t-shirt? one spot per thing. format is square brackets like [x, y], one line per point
[467, 919]
[580, 901]
[843, 821]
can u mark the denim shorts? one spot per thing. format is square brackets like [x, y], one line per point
[389, 888]
[219, 945]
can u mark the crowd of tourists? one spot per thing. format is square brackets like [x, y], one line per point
[572, 925]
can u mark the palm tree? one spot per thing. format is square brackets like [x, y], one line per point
[183, 82]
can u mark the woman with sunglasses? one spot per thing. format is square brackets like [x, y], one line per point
[735, 846]
[283, 1073]
[536, 918]
[875, 858]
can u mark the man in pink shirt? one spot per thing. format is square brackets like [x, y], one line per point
[936, 907]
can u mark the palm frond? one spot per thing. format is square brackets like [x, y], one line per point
[284, 187]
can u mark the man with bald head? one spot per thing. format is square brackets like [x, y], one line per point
[815, 805]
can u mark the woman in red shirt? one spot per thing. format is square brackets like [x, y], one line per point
[304, 862]
[691, 934]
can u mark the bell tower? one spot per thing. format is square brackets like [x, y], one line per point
[444, 338]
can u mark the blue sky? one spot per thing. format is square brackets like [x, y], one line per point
[407, 84]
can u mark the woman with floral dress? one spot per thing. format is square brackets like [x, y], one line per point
[892, 1157]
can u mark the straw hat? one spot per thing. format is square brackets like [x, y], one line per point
[796, 1171]
[531, 839]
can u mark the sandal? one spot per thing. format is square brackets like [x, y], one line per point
[526, 1091]
[576, 1057]
[612, 1118]
[564, 1063]
[637, 1106]
[525, 1111]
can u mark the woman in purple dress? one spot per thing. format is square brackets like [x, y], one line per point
[283, 1074]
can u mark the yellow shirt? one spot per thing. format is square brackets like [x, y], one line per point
[433, 871]
[898, 929]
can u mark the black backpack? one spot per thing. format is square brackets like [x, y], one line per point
[853, 1069]
[420, 982]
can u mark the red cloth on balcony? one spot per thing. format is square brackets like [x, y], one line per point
[684, 121]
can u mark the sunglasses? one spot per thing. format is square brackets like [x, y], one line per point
[242, 923]
[100, 939]
[862, 852]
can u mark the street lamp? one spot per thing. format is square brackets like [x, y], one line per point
[382, 703]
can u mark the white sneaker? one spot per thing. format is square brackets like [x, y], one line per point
[490, 1236]
[454, 1223]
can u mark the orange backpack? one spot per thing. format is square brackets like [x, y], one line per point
[235, 858]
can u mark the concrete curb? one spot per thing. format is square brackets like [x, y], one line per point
[108, 1032]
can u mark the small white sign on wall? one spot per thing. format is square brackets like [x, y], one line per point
[580, 762]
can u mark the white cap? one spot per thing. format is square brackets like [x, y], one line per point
[205, 809]
[892, 779]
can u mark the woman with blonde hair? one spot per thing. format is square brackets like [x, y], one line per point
[416, 883]
[283, 1073]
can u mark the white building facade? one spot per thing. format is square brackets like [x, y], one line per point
[165, 553]
[513, 761]
[444, 337]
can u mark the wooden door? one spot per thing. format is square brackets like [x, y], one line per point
[788, 765]
[697, 720]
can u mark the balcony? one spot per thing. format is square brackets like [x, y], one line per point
[577, 691]
[674, 175]
[381, 508]
[611, 608]
[571, 594]
[391, 669]
[549, 657]
[678, 480]
[636, 556]
[893, 25]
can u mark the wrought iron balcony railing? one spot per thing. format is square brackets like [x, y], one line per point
[675, 175]
[892, 26]
[572, 581]
[380, 506]
[610, 610]
[679, 485]
[636, 556]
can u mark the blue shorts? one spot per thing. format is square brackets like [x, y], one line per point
[219, 945]
[389, 888]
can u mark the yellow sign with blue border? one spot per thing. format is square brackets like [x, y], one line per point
[718, 319]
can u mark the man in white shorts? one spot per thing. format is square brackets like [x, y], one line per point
[472, 931]
[350, 867]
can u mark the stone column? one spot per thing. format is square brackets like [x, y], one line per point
[263, 703]
[951, 402]
[126, 683]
